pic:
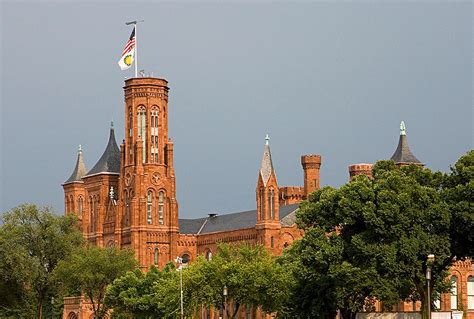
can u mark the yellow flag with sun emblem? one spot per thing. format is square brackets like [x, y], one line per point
[128, 54]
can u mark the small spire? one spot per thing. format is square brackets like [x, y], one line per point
[266, 168]
[79, 170]
[112, 124]
[403, 128]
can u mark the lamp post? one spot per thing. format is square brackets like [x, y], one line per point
[225, 300]
[429, 262]
[179, 261]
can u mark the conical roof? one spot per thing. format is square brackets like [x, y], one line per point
[109, 162]
[80, 169]
[402, 154]
[266, 168]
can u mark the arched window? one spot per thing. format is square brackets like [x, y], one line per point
[141, 125]
[126, 218]
[149, 205]
[71, 200]
[271, 203]
[91, 213]
[186, 258]
[155, 257]
[130, 134]
[80, 206]
[470, 292]
[272, 242]
[208, 255]
[154, 135]
[262, 200]
[161, 207]
[454, 293]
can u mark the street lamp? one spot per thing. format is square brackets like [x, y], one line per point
[429, 263]
[179, 261]
[225, 299]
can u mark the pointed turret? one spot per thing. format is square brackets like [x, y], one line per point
[80, 169]
[109, 162]
[403, 155]
[266, 168]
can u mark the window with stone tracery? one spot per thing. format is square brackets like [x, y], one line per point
[149, 207]
[80, 206]
[141, 126]
[271, 203]
[126, 218]
[130, 135]
[161, 207]
[156, 257]
[154, 135]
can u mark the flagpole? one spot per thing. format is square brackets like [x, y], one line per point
[135, 23]
[136, 50]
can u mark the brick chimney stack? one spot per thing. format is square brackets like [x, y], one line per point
[357, 169]
[311, 165]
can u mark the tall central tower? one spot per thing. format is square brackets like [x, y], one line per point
[148, 218]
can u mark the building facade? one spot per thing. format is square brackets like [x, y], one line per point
[128, 199]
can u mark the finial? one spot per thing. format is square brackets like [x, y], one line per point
[112, 124]
[80, 148]
[111, 193]
[267, 139]
[403, 129]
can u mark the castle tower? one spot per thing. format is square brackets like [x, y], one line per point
[98, 182]
[311, 165]
[358, 169]
[403, 156]
[268, 207]
[148, 210]
[74, 191]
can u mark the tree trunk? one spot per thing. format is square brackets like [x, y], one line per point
[40, 309]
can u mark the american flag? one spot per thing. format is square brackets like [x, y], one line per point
[130, 43]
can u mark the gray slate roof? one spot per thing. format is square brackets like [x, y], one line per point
[403, 154]
[79, 171]
[227, 222]
[266, 168]
[109, 162]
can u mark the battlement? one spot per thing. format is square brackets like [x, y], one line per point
[308, 159]
[358, 169]
[291, 195]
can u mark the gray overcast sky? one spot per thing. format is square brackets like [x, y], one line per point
[332, 78]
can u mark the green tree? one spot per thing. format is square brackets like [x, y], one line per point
[388, 225]
[250, 273]
[91, 269]
[32, 243]
[142, 296]
[458, 192]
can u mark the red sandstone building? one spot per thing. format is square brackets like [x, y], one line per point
[128, 199]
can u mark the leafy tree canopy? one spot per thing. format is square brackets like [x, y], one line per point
[383, 229]
[91, 269]
[32, 242]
